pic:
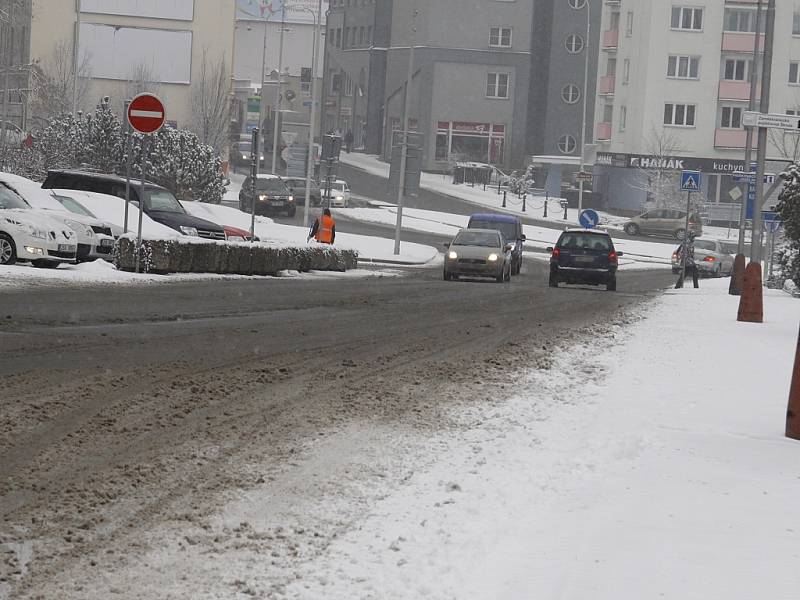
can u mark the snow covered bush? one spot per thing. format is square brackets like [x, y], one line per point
[789, 210]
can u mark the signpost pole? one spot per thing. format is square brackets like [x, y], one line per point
[254, 190]
[145, 140]
[128, 151]
[404, 149]
[278, 93]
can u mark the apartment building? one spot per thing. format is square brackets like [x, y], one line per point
[15, 27]
[672, 86]
[494, 81]
[125, 46]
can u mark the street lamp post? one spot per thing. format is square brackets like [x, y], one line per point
[311, 119]
[401, 187]
[585, 94]
[76, 59]
[257, 151]
[276, 135]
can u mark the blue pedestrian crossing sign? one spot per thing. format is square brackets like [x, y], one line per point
[690, 181]
[589, 219]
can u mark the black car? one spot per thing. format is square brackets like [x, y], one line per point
[273, 196]
[159, 203]
[584, 256]
[297, 186]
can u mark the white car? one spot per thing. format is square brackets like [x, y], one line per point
[29, 235]
[86, 228]
[339, 195]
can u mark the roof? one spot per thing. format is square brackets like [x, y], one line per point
[102, 176]
[583, 230]
[475, 229]
[495, 217]
[267, 176]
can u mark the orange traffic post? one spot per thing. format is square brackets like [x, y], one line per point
[793, 411]
[737, 276]
[751, 302]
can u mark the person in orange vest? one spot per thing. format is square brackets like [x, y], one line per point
[324, 228]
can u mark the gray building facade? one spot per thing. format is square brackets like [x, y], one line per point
[484, 77]
[15, 45]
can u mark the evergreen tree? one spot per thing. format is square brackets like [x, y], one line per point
[789, 210]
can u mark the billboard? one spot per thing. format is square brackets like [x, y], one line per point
[178, 10]
[297, 11]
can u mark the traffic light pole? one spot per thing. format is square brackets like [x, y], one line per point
[401, 187]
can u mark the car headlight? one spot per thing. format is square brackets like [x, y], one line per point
[34, 232]
[261, 157]
[452, 255]
[340, 197]
[263, 197]
[493, 257]
[244, 156]
[290, 198]
[188, 230]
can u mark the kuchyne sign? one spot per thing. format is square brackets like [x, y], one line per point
[669, 163]
[296, 11]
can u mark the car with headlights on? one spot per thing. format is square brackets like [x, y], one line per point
[297, 186]
[511, 228]
[338, 196]
[709, 256]
[272, 196]
[242, 155]
[584, 256]
[31, 235]
[478, 253]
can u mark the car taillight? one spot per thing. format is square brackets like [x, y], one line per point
[709, 259]
[674, 256]
[556, 253]
[612, 256]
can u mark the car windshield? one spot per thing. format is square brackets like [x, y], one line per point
[73, 206]
[477, 238]
[245, 146]
[705, 245]
[162, 201]
[10, 199]
[271, 185]
[593, 241]
[509, 230]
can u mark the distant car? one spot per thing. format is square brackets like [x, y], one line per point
[31, 235]
[273, 196]
[709, 256]
[159, 203]
[242, 155]
[478, 253]
[664, 222]
[339, 196]
[234, 234]
[511, 228]
[297, 186]
[584, 256]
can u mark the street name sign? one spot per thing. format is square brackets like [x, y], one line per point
[771, 120]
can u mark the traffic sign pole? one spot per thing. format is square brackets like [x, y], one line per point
[128, 150]
[145, 140]
[255, 156]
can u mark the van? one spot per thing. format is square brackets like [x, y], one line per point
[511, 228]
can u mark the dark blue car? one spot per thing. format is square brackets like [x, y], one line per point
[584, 256]
[511, 228]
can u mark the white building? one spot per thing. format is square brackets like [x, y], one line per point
[673, 83]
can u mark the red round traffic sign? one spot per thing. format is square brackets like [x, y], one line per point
[146, 113]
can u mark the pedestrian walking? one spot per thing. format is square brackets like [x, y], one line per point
[348, 140]
[687, 247]
[324, 228]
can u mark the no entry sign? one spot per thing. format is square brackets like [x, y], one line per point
[146, 113]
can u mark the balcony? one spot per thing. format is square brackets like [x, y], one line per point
[736, 90]
[740, 42]
[730, 138]
[603, 132]
[611, 39]
[605, 85]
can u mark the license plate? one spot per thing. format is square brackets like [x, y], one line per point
[106, 242]
[66, 248]
[584, 259]
[278, 203]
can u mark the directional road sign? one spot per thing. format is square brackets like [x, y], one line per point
[146, 113]
[742, 177]
[583, 176]
[589, 218]
[772, 120]
[690, 181]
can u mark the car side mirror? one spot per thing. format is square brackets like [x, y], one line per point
[549, 249]
[523, 238]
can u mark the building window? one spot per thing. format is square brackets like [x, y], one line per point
[626, 70]
[567, 144]
[571, 93]
[740, 20]
[687, 18]
[681, 115]
[480, 142]
[794, 112]
[348, 86]
[683, 67]
[794, 72]
[573, 43]
[577, 4]
[623, 117]
[796, 23]
[629, 24]
[497, 85]
[731, 117]
[500, 37]
[736, 69]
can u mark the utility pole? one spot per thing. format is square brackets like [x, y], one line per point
[257, 151]
[76, 58]
[275, 125]
[401, 187]
[748, 148]
[761, 154]
[311, 119]
[8, 54]
[585, 94]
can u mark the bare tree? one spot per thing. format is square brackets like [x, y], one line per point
[142, 79]
[656, 175]
[211, 103]
[52, 80]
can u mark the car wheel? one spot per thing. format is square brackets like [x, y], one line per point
[611, 285]
[553, 280]
[46, 264]
[8, 251]
[502, 277]
[508, 274]
[632, 229]
[680, 233]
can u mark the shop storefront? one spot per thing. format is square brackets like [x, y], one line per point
[478, 142]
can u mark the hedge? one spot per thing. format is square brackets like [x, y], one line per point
[174, 256]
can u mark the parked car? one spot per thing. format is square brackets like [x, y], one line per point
[31, 235]
[709, 256]
[273, 196]
[90, 246]
[664, 222]
[511, 228]
[478, 253]
[72, 203]
[159, 203]
[584, 256]
[339, 196]
[234, 234]
[297, 186]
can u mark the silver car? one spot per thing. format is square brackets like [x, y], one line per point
[709, 256]
[478, 253]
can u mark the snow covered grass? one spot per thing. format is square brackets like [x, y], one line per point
[649, 463]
